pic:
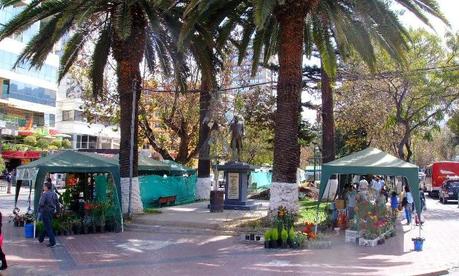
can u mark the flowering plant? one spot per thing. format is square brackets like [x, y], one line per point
[309, 231]
[71, 181]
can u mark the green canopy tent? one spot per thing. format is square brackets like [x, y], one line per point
[66, 162]
[376, 162]
[149, 166]
[178, 169]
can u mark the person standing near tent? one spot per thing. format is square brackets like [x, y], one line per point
[9, 180]
[2, 255]
[351, 202]
[407, 202]
[47, 207]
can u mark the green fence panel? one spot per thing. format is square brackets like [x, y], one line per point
[152, 187]
[261, 180]
[101, 188]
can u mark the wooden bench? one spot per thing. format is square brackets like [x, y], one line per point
[165, 201]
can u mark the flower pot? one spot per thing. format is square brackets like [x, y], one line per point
[284, 244]
[267, 244]
[272, 244]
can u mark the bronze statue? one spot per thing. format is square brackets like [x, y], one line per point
[237, 132]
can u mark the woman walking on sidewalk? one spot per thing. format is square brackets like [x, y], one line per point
[408, 202]
[2, 255]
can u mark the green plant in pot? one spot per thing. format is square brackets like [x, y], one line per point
[274, 238]
[267, 236]
[57, 227]
[284, 238]
[40, 228]
[291, 235]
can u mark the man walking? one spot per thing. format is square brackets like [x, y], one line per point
[47, 208]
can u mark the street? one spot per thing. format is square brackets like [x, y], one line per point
[167, 253]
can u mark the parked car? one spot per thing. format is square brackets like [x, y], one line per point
[449, 190]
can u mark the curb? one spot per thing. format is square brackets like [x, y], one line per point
[135, 227]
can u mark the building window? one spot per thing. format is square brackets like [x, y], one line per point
[86, 142]
[67, 115]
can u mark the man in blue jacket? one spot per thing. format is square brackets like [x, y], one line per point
[47, 208]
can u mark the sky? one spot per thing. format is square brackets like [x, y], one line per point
[449, 8]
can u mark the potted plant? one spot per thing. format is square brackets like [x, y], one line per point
[274, 238]
[76, 226]
[291, 235]
[284, 238]
[40, 228]
[267, 236]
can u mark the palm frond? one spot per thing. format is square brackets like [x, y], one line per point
[99, 60]
[263, 10]
[71, 50]
[42, 44]
[32, 14]
[123, 20]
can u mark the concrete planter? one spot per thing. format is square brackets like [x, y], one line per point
[368, 243]
[317, 244]
[351, 236]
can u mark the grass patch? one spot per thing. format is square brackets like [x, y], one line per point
[308, 211]
[151, 211]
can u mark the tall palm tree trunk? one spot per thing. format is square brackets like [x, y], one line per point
[284, 190]
[128, 54]
[328, 121]
[203, 185]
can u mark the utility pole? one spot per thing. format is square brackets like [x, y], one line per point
[131, 150]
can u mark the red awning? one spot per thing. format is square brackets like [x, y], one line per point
[11, 154]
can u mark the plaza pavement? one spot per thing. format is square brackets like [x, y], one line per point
[165, 251]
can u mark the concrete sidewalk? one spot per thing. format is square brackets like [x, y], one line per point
[197, 215]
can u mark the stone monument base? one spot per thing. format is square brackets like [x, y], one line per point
[248, 205]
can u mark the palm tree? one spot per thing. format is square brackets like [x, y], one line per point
[292, 28]
[126, 30]
[206, 41]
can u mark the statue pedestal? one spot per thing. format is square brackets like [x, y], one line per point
[237, 177]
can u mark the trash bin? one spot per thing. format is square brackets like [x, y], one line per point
[28, 230]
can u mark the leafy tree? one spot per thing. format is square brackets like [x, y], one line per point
[170, 123]
[125, 30]
[399, 102]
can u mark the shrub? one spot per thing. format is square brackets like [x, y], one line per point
[42, 143]
[66, 144]
[53, 147]
[267, 235]
[274, 234]
[284, 235]
[30, 140]
[291, 234]
[57, 143]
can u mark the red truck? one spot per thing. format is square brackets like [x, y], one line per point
[436, 173]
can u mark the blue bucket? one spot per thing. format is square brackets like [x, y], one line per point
[418, 245]
[28, 230]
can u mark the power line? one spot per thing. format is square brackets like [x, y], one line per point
[341, 77]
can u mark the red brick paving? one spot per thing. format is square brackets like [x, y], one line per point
[140, 253]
